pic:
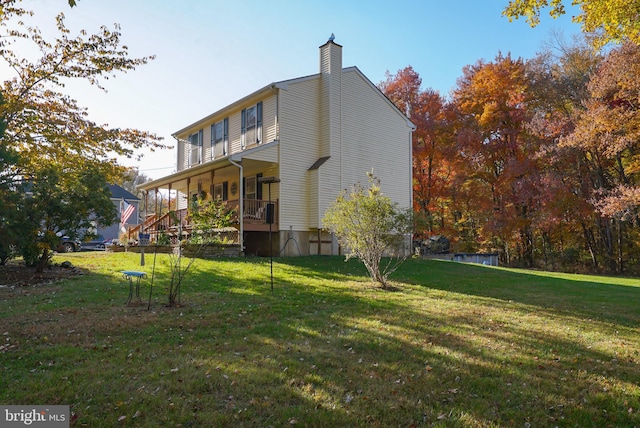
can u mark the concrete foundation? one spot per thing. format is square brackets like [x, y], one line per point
[291, 243]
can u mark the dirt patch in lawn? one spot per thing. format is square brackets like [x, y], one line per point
[16, 274]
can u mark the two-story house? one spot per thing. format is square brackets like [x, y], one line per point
[298, 143]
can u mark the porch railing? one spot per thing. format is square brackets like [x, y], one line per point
[255, 211]
[176, 222]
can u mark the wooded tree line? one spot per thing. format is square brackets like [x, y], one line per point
[536, 159]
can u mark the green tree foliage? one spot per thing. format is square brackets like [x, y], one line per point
[55, 161]
[370, 226]
[44, 124]
[9, 197]
[208, 217]
[62, 203]
[610, 20]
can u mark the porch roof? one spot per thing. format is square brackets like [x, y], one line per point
[207, 166]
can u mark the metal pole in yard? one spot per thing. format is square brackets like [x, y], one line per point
[270, 219]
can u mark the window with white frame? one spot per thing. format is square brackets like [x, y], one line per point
[251, 124]
[221, 192]
[250, 186]
[220, 138]
[195, 148]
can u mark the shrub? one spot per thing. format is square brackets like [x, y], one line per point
[369, 225]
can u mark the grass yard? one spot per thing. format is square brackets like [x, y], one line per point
[456, 346]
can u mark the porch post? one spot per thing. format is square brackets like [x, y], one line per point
[240, 203]
[146, 207]
[188, 198]
[156, 203]
[213, 175]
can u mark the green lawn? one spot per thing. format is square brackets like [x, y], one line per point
[457, 346]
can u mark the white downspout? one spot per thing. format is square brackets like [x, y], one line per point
[240, 203]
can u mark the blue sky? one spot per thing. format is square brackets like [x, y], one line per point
[211, 53]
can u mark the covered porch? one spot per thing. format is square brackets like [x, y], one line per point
[237, 181]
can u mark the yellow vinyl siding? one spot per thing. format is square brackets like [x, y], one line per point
[299, 149]
[374, 136]
[269, 124]
[270, 153]
[269, 130]
[368, 134]
[182, 163]
[206, 143]
[371, 135]
[312, 199]
[235, 135]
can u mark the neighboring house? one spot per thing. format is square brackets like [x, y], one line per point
[121, 199]
[315, 135]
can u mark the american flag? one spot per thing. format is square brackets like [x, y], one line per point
[126, 209]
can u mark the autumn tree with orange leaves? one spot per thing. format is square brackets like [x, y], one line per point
[432, 172]
[607, 134]
[537, 160]
[501, 174]
[564, 225]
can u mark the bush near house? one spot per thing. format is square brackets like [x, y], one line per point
[369, 226]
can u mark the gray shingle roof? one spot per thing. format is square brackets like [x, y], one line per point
[118, 192]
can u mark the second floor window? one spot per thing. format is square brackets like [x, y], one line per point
[220, 139]
[251, 123]
[195, 148]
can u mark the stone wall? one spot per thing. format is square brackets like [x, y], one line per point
[204, 251]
